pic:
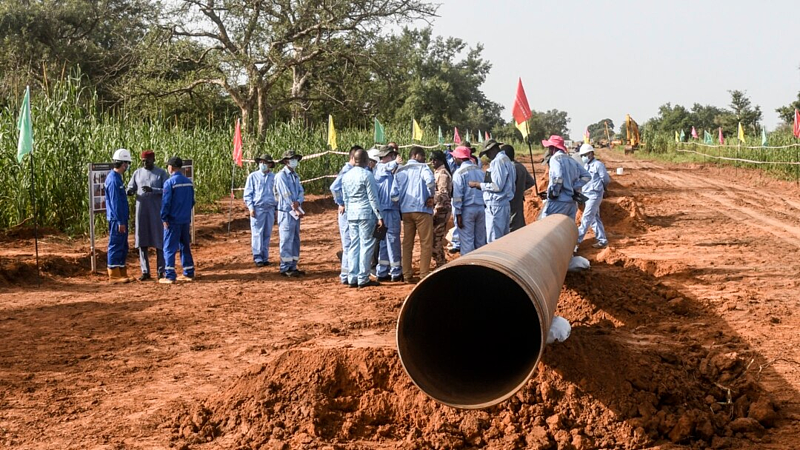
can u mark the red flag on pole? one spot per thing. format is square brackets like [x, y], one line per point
[488, 136]
[521, 111]
[456, 137]
[796, 124]
[721, 139]
[237, 144]
[694, 133]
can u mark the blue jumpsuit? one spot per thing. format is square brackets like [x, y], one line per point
[594, 190]
[468, 203]
[566, 177]
[287, 190]
[361, 200]
[117, 213]
[497, 196]
[259, 196]
[344, 233]
[389, 258]
[177, 202]
[455, 244]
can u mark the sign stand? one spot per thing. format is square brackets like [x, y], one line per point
[97, 199]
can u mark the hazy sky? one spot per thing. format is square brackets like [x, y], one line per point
[602, 58]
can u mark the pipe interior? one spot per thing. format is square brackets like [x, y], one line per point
[469, 335]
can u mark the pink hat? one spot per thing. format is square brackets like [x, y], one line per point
[555, 141]
[461, 152]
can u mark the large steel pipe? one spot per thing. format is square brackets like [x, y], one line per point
[471, 333]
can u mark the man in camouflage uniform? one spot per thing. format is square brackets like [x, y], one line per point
[441, 205]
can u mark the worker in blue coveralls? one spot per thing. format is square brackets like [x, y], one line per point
[259, 197]
[455, 243]
[363, 214]
[468, 203]
[290, 195]
[594, 191]
[498, 190]
[344, 233]
[177, 201]
[565, 180]
[389, 257]
[117, 213]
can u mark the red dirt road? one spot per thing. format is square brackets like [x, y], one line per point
[685, 335]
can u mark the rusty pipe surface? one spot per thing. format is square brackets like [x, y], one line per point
[471, 333]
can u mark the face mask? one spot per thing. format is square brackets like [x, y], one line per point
[293, 163]
[263, 167]
[585, 159]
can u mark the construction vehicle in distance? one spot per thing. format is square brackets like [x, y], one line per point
[605, 141]
[632, 129]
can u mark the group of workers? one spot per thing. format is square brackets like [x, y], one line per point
[164, 202]
[375, 192]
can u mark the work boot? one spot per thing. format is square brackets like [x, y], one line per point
[123, 272]
[185, 278]
[144, 277]
[115, 276]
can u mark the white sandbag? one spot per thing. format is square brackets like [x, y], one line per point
[449, 235]
[559, 330]
[578, 263]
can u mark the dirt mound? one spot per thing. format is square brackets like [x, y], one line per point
[351, 397]
[17, 271]
[28, 232]
[623, 214]
[652, 267]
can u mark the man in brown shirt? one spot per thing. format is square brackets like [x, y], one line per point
[441, 205]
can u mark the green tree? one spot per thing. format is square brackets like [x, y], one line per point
[43, 40]
[597, 130]
[786, 113]
[741, 111]
[250, 48]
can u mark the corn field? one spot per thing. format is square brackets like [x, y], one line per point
[664, 144]
[70, 133]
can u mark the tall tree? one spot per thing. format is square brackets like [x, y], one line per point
[742, 112]
[597, 130]
[250, 46]
[44, 39]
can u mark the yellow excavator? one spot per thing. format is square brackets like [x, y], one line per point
[632, 143]
[604, 142]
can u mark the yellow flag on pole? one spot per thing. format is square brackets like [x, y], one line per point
[523, 128]
[331, 134]
[417, 131]
[741, 132]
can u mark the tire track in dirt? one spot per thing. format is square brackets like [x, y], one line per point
[726, 196]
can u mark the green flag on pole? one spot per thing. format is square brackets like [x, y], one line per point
[683, 136]
[441, 136]
[380, 133]
[763, 137]
[25, 127]
[708, 138]
[480, 137]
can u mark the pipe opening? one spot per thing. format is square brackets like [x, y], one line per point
[469, 336]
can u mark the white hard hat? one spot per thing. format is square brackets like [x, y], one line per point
[374, 154]
[586, 148]
[122, 155]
